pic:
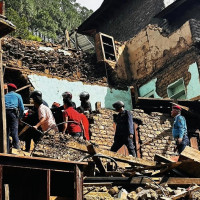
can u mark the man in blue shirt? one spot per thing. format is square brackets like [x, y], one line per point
[14, 111]
[124, 130]
[179, 129]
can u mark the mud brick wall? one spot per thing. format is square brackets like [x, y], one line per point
[154, 128]
[102, 130]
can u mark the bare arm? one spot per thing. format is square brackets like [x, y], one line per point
[42, 120]
[65, 124]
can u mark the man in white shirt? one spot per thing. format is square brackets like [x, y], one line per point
[45, 116]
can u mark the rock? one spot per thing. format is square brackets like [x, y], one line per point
[122, 194]
[139, 189]
[114, 190]
[98, 196]
[133, 196]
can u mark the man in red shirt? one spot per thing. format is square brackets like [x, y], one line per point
[85, 123]
[70, 114]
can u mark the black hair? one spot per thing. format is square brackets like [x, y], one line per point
[67, 102]
[80, 109]
[37, 100]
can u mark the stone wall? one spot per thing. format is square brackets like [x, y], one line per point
[52, 60]
[154, 128]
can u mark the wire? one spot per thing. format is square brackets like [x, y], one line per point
[155, 184]
[102, 156]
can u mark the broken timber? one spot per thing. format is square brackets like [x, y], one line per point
[170, 181]
[116, 156]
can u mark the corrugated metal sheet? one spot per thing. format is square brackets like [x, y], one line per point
[84, 43]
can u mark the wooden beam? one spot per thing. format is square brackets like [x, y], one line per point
[67, 39]
[116, 156]
[92, 151]
[22, 88]
[78, 183]
[193, 168]
[48, 184]
[3, 133]
[176, 181]
[1, 181]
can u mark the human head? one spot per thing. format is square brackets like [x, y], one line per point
[37, 101]
[67, 95]
[12, 87]
[55, 105]
[176, 110]
[84, 96]
[36, 93]
[118, 105]
[67, 102]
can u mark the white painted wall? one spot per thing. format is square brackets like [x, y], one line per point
[168, 2]
[53, 88]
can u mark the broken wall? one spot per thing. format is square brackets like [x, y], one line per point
[52, 89]
[148, 51]
[127, 20]
[155, 136]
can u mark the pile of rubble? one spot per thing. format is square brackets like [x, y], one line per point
[53, 60]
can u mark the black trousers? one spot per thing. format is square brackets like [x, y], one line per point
[119, 141]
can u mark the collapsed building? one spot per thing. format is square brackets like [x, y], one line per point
[147, 57]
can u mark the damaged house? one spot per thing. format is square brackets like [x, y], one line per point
[147, 56]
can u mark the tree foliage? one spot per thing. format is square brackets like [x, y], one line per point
[45, 18]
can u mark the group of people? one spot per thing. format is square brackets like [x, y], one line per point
[66, 118]
[69, 119]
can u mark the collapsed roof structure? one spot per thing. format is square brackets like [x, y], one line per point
[161, 64]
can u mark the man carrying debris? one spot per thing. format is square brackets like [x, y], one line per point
[179, 130]
[14, 111]
[47, 121]
[124, 130]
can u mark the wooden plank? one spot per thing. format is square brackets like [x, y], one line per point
[176, 181]
[137, 143]
[193, 168]
[1, 181]
[3, 135]
[78, 183]
[22, 88]
[160, 158]
[116, 156]
[92, 151]
[38, 163]
[23, 130]
[48, 184]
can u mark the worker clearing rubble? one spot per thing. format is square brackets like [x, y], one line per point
[46, 119]
[179, 129]
[124, 129]
[85, 103]
[73, 124]
[14, 111]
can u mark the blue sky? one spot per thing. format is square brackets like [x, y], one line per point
[90, 4]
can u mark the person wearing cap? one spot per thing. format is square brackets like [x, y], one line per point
[46, 119]
[179, 130]
[85, 103]
[14, 112]
[124, 129]
[73, 125]
[68, 95]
